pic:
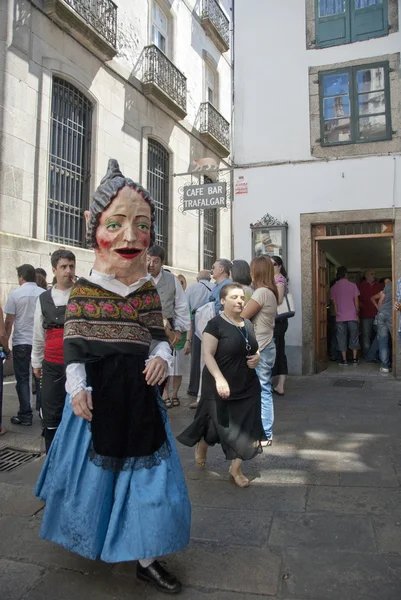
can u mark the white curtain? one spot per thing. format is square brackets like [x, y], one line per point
[331, 7]
[366, 3]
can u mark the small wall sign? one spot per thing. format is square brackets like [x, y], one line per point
[207, 195]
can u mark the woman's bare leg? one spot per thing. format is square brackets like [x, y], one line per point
[237, 474]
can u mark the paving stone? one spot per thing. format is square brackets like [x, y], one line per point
[340, 576]
[18, 500]
[375, 478]
[230, 527]
[225, 494]
[388, 533]
[65, 585]
[19, 540]
[16, 578]
[355, 500]
[190, 593]
[322, 531]
[25, 475]
[209, 567]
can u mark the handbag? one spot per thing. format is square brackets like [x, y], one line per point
[286, 309]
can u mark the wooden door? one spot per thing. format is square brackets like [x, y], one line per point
[321, 309]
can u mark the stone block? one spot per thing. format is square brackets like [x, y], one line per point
[355, 500]
[338, 532]
[388, 533]
[340, 575]
[230, 527]
[17, 578]
[18, 500]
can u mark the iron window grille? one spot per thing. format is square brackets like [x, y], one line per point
[160, 71]
[211, 10]
[209, 234]
[69, 164]
[353, 228]
[100, 14]
[159, 185]
[355, 105]
[212, 122]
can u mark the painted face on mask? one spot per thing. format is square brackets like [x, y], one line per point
[123, 233]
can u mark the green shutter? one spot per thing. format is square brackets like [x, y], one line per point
[369, 22]
[333, 30]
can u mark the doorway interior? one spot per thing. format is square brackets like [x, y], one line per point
[357, 252]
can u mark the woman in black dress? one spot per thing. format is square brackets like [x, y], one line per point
[229, 412]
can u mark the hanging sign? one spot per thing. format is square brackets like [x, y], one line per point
[208, 195]
[241, 185]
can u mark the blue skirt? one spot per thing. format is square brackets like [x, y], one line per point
[116, 517]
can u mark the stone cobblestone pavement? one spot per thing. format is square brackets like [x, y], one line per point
[321, 519]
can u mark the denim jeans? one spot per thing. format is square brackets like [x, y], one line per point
[22, 372]
[384, 332]
[264, 372]
[367, 334]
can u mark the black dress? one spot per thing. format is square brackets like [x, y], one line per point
[234, 422]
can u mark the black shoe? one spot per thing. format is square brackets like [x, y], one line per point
[355, 361]
[23, 422]
[159, 577]
[343, 363]
[191, 393]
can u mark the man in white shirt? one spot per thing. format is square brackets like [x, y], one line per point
[174, 304]
[197, 294]
[47, 348]
[19, 311]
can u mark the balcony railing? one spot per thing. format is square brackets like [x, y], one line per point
[91, 22]
[101, 14]
[216, 24]
[215, 129]
[163, 82]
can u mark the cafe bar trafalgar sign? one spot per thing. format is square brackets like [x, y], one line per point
[208, 195]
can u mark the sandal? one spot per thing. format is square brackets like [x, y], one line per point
[266, 443]
[176, 401]
[167, 403]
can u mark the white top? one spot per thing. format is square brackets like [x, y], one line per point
[182, 319]
[76, 372]
[21, 303]
[264, 320]
[198, 294]
[60, 298]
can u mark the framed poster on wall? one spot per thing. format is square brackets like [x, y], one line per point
[269, 238]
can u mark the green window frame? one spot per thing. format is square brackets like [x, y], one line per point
[346, 21]
[355, 105]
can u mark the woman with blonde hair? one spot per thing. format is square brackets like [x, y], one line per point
[262, 309]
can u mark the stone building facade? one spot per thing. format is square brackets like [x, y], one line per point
[318, 146]
[146, 82]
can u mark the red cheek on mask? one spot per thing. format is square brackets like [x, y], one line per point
[103, 241]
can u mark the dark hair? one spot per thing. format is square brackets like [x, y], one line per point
[27, 272]
[341, 272]
[41, 281]
[241, 272]
[111, 184]
[279, 261]
[40, 271]
[158, 252]
[228, 287]
[226, 264]
[60, 255]
[263, 274]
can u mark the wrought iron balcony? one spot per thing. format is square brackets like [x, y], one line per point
[163, 83]
[92, 22]
[214, 129]
[216, 24]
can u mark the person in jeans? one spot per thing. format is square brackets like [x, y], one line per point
[345, 297]
[20, 310]
[383, 303]
[368, 288]
[4, 353]
[262, 309]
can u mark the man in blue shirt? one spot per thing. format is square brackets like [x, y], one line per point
[221, 274]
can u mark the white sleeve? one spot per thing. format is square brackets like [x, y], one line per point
[182, 319]
[161, 349]
[39, 337]
[10, 308]
[76, 378]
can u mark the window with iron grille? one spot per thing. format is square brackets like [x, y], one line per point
[158, 186]
[209, 234]
[69, 164]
